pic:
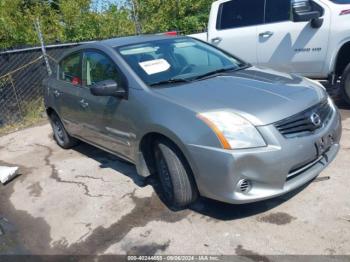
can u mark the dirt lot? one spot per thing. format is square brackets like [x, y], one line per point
[85, 201]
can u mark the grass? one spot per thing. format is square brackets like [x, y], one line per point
[33, 114]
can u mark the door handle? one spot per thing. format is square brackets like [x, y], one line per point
[83, 103]
[216, 40]
[266, 34]
[56, 93]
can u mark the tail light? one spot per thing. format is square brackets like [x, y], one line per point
[345, 12]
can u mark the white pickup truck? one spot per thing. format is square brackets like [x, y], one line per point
[307, 37]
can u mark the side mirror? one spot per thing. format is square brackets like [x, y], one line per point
[108, 88]
[302, 11]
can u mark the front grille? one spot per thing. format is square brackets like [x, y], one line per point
[302, 123]
[303, 168]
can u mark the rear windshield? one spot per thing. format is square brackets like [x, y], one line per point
[341, 2]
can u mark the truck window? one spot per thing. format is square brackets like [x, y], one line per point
[277, 11]
[240, 13]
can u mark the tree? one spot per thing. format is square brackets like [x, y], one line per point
[17, 22]
[78, 20]
[187, 16]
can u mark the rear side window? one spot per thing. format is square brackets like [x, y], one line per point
[98, 67]
[277, 11]
[70, 69]
[240, 13]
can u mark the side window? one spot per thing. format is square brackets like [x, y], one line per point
[239, 13]
[70, 69]
[98, 67]
[277, 11]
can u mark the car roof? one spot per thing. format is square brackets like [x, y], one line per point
[130, 40]
[118, 42]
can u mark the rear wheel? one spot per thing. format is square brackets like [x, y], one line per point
[175, 176]
[60, 134]
[345, 85]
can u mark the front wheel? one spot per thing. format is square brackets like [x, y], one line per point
[345, 85]
[175, 176]
[60, 134]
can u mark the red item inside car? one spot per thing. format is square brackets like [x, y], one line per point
[76, 80]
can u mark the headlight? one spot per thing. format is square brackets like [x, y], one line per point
[233, 131]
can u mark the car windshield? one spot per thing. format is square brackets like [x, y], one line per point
[177, 60]
[342, 2]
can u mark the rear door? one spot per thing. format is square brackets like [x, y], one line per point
[233, 26]
[103, 118]
[293, 47]
[65, 90]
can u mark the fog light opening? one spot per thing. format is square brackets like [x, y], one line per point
[244, 186]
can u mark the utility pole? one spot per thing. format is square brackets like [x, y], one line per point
[43, 49]
[177, 14]
[136, 17]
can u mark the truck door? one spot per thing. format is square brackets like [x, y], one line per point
[294, 47]
[233, 24]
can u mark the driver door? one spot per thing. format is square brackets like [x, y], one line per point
[103, 116]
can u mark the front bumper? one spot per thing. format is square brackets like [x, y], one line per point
[217, 171]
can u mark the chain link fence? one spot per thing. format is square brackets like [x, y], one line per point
[21, 74]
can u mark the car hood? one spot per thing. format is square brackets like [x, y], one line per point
[262, 96]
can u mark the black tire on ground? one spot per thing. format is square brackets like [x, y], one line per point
[345, 85]
[60, 134]
[176, 179]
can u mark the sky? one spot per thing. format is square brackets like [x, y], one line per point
[99, 5]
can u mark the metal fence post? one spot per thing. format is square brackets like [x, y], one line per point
[43, 49]
[16, 95]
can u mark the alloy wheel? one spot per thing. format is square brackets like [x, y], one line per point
[58, 131]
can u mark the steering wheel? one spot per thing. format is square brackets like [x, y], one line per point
[186, 69]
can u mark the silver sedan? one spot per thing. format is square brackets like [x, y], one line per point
[201, 120]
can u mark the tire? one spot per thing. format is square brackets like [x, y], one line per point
[61, 136]
[176, 179]
[345, 85]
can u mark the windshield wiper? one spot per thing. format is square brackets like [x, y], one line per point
[211, 73]
[218, 71]
[171, 81]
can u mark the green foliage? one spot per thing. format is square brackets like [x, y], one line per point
[76, 20]
[17, 22]
[186, 16]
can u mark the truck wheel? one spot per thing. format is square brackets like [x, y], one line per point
[345, 85]
[175, 176]
[60, 134]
